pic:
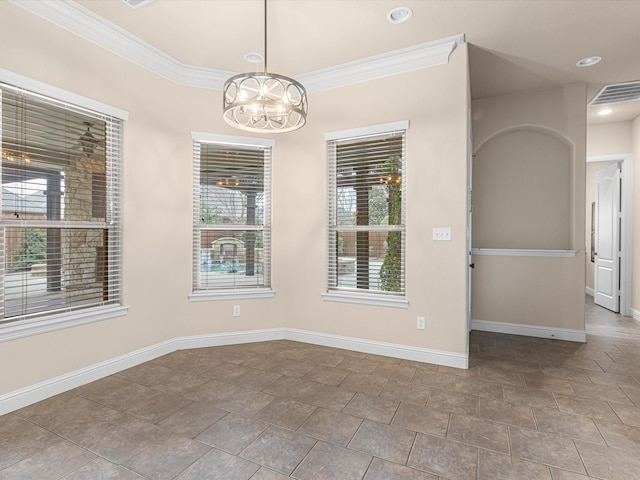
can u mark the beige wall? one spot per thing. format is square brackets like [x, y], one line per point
[635, 275]
[609, 138]
[521, 185]
[537, 291]
[157, 206]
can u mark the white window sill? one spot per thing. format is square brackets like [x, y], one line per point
[373, 299]
[244, 294]
[36, 326]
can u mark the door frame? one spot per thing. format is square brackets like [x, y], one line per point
[627, 227]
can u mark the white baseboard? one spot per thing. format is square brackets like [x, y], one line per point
[530, 330]
[406, 352]
[34, 393]
[589, 291]
[635, 314]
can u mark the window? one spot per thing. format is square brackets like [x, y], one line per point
[232, 215]
[367, 215]
[59, 224]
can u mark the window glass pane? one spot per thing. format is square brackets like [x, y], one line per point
[369, 182]
[369, 260]
[230, 259]
[231, 185]
[53, 161]
[53, 269]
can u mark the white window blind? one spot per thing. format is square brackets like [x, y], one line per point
[232, 215]
[367, 214]
[59, 226]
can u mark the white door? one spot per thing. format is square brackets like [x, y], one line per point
[607, 241]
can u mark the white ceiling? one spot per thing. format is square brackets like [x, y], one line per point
[514, 45]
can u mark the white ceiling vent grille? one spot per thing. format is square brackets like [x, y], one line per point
[617, 93]
[137, 3]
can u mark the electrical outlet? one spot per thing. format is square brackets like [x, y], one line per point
[420, 323]
[236, 310]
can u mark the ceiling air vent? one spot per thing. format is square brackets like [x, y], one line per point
[617, 93]
[137, 3]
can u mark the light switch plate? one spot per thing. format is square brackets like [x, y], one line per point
[442, 234]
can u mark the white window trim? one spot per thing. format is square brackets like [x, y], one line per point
[364, 131]
[49, 323]
[374, 299]
[240, 294]
[368, 297]
[42, 88]
[232, 294]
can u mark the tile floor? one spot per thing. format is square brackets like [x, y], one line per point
[526, 409]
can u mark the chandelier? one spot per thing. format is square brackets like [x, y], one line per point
[264, 102]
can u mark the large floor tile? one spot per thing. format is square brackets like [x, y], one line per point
[167, 457]
[326, 461]
[285, 413]
[480, 433]
[609, 463]
[454, 402]
[567, 424]
[421, 419]
[545, 448]
[100, 469]
[371, 407]
[495, 466]
[620, 436]
[278, 449]
[383, 441]
[446, 458]
[232, 433]
[49, 464]
[330, 426]
[518, 415]
[383, 470]
[218, 464]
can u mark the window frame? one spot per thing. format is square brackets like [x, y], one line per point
[199, 294]
[48, 322]
[334, 293]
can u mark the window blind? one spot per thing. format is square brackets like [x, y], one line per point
[232, 213]
[59, 224]
[367, 214]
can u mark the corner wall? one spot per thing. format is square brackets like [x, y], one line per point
[635, 275]
[514, 292]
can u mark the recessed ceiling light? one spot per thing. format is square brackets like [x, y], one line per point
[253, 57]
[588, 61]
[399, 15]
[605, 111]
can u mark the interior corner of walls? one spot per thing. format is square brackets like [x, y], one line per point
[635, 314]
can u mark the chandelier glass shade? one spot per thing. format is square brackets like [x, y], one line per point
[264, 102]
[259, 102]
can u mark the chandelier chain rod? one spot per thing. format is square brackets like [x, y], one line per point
[265, 36]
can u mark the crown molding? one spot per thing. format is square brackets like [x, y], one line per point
[75, 18]
[394, 62]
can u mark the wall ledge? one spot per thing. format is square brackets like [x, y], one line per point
[34, 393]
[554, 333]
[523, 252]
